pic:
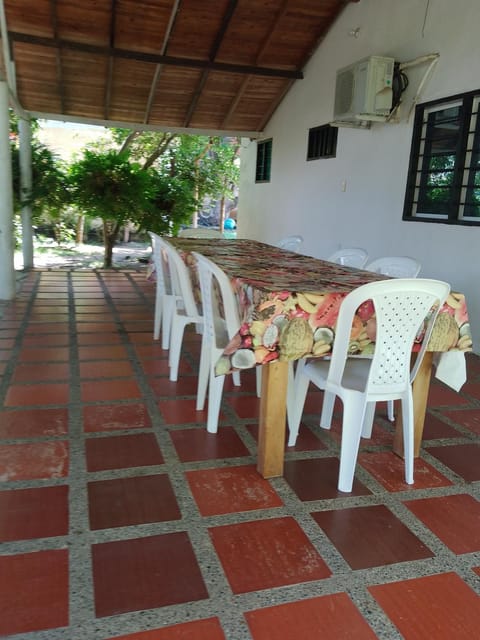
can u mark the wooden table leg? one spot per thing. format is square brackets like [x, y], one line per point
[273, 409]
[421, 385]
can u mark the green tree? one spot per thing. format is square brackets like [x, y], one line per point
[107, 185]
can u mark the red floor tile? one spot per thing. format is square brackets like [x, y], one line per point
[197, 444]
[98, 338]
[389, 470]
[33, 513]
[44, 371]
[246, 407]
[116, 416]
[30, 423]
[30, 461]
[370, 536]
[99, 352]
[435, 428]
[454, 519]
[460, 458]
[468, 418]
[96, 327]
[159, 367]
[265, 554]
[307, 440]
[208, 629]
[117, 452]
[45, 340]
[109, 390]
[332, 617]
[33, 591]
[231, 490]
[145, 573]
[99, 316]
[105, 369]
[54, 328]
[127, 501]
[44, 354]
[441, 395]
[317, 479]
[182, 410]
[39, 394]
[185, 386]
[151, 350]
[449, 609]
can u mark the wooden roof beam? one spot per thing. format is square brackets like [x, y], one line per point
[155, 58]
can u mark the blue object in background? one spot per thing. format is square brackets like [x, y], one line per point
[229, 224]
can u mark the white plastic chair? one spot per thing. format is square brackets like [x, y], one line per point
[395, 266]
[350, 257]
[290, 243]
[401, 307]
[165, 299]
[184, 311]
[219, 328]
[200, 232]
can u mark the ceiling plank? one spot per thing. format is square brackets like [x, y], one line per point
[212, 55]
[58, 55]
[109, 80]
[158, 70]
[155, 58]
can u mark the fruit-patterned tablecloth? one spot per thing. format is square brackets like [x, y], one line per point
[289, 304]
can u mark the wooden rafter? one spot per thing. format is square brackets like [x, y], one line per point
[109, 80]
[232, 5]
[58, 54]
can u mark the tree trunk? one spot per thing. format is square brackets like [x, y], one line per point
[222, 213]
[80, 230]
[110, 231]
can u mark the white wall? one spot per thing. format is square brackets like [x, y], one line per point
[307, 197]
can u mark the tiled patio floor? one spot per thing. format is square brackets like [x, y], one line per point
[121, 517]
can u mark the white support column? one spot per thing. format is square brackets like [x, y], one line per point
[25, 152]
[7, 269]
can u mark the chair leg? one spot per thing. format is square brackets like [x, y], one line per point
[157, 323]
[295, 410]
[176, 339]
[327, 410]
[168, 309]
[258, 374]
[408, 422]
[390, 411]
[368, 420]
[203, 373]
[353, 416]
[214, 401]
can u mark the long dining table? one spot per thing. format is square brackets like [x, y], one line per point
[288, 305]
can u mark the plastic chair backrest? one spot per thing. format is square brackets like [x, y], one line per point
[290, 243]
[403, 308]
[200, 232]
[395, 266]
[160, 260]
[181, 281]
[213, 280]
[350, 257]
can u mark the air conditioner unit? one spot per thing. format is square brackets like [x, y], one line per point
[363, 92]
